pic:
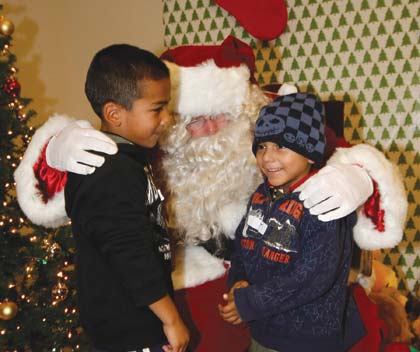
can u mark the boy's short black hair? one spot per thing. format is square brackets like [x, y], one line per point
[116, 74]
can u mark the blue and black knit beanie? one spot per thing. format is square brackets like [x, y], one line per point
[294, 121]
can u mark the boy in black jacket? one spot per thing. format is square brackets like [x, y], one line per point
[123, 251]
[288, 275]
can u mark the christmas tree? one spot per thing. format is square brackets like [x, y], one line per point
[37, 296]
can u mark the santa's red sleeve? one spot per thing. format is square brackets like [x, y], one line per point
[40, 188]
[380, 221]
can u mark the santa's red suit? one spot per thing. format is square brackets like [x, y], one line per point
[210, 173]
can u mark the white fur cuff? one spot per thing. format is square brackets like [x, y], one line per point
[393, 198]
[52, 213]
[195, 266]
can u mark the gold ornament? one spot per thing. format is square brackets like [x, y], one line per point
[8, 310]
[60, 292]
[6, 26]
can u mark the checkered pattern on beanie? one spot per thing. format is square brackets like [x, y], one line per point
[294, 121]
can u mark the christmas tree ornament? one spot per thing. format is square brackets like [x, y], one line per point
[264, 19]
[12, 87]
[6, 26]
[8, 310]
[60, 292]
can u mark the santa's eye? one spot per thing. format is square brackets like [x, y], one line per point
[197, 123]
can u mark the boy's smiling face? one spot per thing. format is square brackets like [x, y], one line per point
[145, 121]
[282, 166]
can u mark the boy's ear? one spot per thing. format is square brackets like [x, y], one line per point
[112, 114]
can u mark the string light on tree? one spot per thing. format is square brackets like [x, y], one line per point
[54, 251]
[59, 292]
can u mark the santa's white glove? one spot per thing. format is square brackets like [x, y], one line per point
[336, 190]
[67, 151]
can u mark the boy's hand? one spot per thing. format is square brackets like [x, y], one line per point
[178, 336]
[239, 284]
[229, 311]
[173, 326]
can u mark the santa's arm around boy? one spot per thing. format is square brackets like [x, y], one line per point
[209, 168]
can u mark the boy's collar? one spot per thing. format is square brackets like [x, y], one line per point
[118, 139]
[137, 151]
[302, 180]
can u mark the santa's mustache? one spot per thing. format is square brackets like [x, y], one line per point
[207, 149]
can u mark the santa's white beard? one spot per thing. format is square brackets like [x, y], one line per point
[210, 180]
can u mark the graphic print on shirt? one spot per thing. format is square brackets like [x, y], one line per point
[282, 236]
[154, 196]
[255, 226]
[154, 201]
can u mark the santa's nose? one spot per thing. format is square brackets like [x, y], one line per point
[211, 126]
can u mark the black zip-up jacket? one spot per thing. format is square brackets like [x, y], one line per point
[123, 251]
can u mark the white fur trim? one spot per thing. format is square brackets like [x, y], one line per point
[230, 216]
[392, 192]
[207, 89]
[286, 89]
[52, 213]
[195, 266]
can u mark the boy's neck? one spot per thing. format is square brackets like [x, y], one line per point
[114, 135]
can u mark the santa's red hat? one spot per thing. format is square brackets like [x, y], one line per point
[210, 79]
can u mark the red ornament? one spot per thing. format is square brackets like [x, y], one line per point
[12, 87]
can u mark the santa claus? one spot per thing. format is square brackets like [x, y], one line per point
[210, 173]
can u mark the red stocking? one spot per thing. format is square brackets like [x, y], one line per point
[264, 19]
